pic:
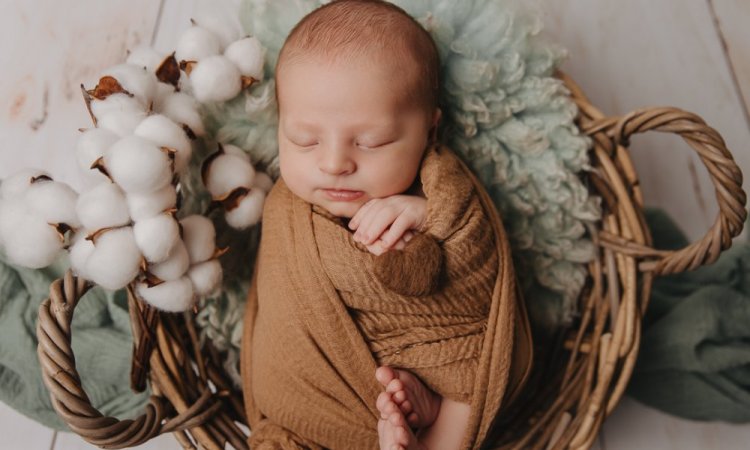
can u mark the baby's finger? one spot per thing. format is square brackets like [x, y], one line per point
[399, 245]
[357, 218]
[377, 220]
[366, 218]
[376, 249]
[396, 231]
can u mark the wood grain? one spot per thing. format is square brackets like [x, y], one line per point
[733, 22]
[49, 49]
[627, 55]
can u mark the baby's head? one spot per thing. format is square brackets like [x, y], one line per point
[357, 88]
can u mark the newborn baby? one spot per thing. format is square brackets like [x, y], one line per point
[357, 89]
[355, 121]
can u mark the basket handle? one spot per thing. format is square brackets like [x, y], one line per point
[68, 397]
[725, 176]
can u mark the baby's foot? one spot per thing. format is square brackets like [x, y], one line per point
[394, 433]
[406, 393]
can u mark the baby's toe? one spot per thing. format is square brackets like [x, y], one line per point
[394, 386]
[384, 375]
[390, 408]
[382, 402]
[399, 397]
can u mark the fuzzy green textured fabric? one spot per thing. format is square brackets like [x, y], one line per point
[504, 114]
[102, 344]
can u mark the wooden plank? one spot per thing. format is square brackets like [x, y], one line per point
[628, 55]
[71, 441]
[733, 21]
[177, 14]
[49, 49]
[18, 431]
[633, 425]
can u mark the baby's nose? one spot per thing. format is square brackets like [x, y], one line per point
[336, 161]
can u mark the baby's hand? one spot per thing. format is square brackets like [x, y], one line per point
[384, 223]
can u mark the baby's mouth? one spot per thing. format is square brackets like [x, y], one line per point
[342, 195]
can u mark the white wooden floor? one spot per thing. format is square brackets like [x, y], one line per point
[694, 54]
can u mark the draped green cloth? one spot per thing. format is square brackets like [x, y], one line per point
[102, 345]
[694, 359]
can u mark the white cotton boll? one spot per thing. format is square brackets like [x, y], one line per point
[206, 277]
[182, 109]
[145, 206]
[163, 132]
[215, 79]
[228, 172]
[145, 57]
[175, 266]
[90, 146]
[184, 84]
[54, 202]
[29, 241]
[116, 260]
[248, 55]
[117, 103]
[199, 235]
[156, 236]
[33, 244]
[13, 212]
[222, 23]
[172, 296]
[122, 123]
[262, 181]
[16, 185]
[248, 211]
[104, 206]
[138, 165]
[79, 252]
[197, 43]
[163, 90]
[136, 80]
[236, 151]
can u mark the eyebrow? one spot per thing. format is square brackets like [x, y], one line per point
[305, 125]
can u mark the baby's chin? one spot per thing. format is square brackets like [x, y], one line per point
[342, 209]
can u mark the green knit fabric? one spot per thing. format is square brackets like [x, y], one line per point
[694, 359]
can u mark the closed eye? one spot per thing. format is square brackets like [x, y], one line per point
[366, 146]
[305, 144]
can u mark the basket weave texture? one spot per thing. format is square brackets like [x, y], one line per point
[579, 383]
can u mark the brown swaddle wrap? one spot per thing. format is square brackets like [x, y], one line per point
[323, 313]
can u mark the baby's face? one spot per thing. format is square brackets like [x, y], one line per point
[345, 134]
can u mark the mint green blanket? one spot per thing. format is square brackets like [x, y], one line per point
[102, 344]
[694, 359]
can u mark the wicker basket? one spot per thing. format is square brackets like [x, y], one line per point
[580, 383]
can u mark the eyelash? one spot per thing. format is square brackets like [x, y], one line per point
[370, 147]
[304, 146]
